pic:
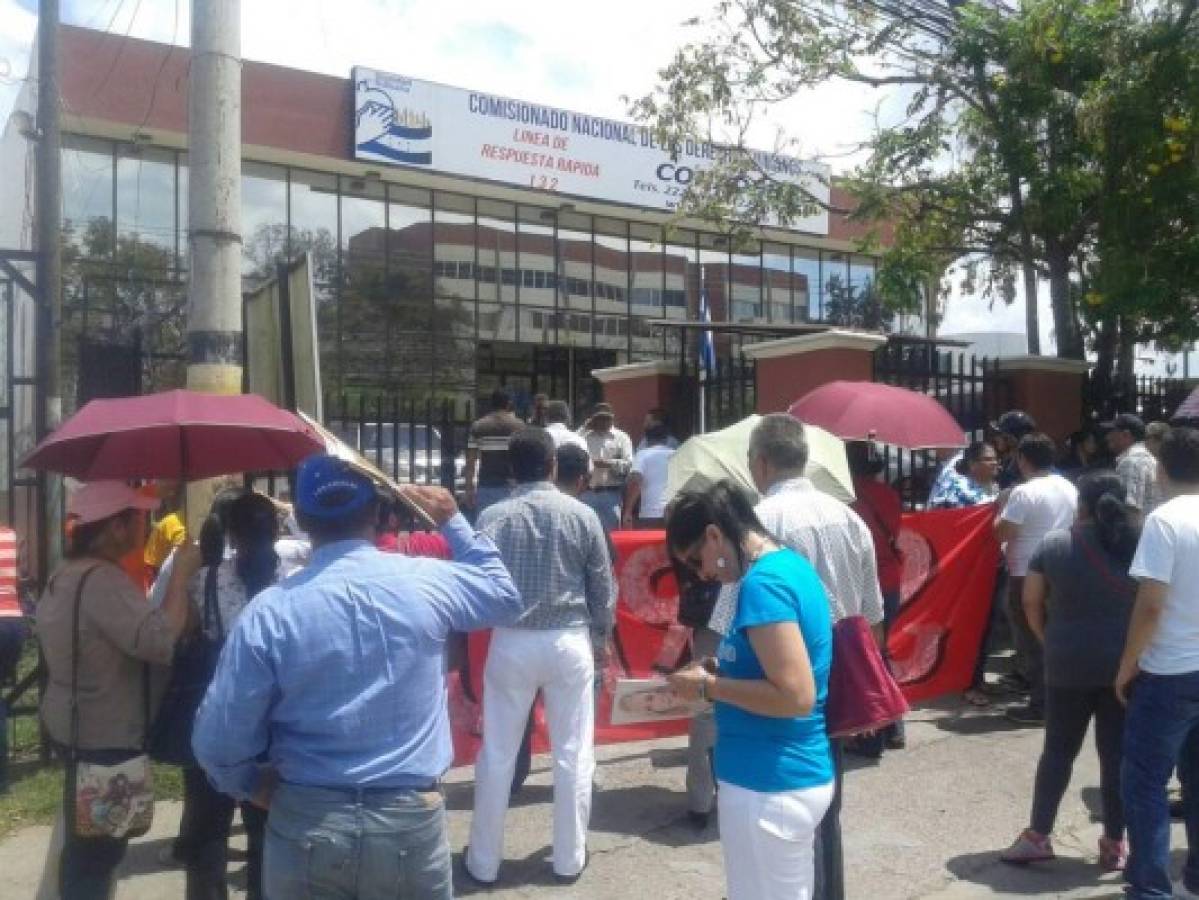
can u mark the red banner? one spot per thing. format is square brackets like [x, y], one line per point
[950, 561]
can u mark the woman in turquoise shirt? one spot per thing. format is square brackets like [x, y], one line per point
[769, 684]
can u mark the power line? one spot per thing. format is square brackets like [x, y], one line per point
[120, 48]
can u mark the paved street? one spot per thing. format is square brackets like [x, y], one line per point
[926, 822]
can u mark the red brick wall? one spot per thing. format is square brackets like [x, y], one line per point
[783, 380]
[632, 398]
[1053, 399]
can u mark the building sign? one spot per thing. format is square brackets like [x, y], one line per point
[416, 123]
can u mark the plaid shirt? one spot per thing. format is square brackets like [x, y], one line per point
[555, 548]
[1137, 468]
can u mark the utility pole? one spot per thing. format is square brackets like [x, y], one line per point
[48, 411]
[214, 305]
[214, 198]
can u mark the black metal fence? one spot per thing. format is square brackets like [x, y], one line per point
[968, 387]
[1150, 397]
[415, 442]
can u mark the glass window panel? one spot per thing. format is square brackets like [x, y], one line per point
[537, 266]
[313, 229]
[146, 202]
[368, 320]
[576, 277]
[746, 276]
[87, 193]
[263, 217]
[611, 284]
[647, 289]
[806, 266]
[777, 282]
[837, 308]
[681, 292]
[714, 275]
[496, 240]
[454, 247]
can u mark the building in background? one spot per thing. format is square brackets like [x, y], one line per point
[440, 271]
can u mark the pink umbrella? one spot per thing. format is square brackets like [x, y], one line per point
[863, 410]
[182, 435]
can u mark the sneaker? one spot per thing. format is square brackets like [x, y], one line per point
[1029, 847]
[1026, 715]
[1112, 855]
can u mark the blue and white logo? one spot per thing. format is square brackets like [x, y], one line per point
[402, 135]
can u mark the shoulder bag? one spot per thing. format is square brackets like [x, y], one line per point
[170, 739]
[862, 695]
[113, 799]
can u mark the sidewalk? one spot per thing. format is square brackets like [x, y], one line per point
[926, 822]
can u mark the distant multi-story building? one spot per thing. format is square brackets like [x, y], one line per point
[459, 240]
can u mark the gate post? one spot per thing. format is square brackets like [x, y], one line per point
[1047, 388]
[791, 367]
[635, 389]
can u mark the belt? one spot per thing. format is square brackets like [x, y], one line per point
[415, 785]
[607, 487]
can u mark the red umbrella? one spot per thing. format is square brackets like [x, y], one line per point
[1189, 409]
[181, 435]
[863, 410]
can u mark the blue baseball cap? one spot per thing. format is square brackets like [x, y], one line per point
[330, 488]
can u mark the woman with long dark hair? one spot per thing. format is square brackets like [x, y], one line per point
[1078, 599]
[769, 686]
[974, 482]
[248, 525]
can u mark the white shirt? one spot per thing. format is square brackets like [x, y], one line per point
[830, 536]
[652, 464]
[1169, 553]
[612, 445]
[1036, 507]
[563, 436]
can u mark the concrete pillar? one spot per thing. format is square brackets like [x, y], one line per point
[791, 367]
[1047, 388]
[635, 389]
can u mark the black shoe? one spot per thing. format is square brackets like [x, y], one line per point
[1015, 682]
[870, 748]
[1026, 715]
[896, 742]
[470, 876]
[699, 819]
[571, 879]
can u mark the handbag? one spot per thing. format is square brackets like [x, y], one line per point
[106, 800]
[170, 739]
[862, 694]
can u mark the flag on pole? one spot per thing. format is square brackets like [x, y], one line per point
[707, 346]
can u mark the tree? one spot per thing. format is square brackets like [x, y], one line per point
[856, 306]
[1013, 142]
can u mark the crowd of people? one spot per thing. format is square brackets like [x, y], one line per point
[302, 650]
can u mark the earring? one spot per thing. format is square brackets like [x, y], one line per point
[720, 563]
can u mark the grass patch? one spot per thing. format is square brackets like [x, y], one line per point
[35, 795]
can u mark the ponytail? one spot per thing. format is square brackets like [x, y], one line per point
[253, 527]
[1104, 497]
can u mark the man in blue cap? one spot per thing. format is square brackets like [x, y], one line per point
[328, 706]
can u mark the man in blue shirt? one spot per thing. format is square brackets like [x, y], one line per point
[328, 706]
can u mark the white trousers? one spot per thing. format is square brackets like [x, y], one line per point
[767, 840]
[521, 662]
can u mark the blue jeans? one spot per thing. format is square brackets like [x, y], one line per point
[606, 505]
[358, 845]
[1160, 731]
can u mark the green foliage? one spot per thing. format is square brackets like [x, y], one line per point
[1054, 139]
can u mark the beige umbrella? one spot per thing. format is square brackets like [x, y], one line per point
[722, 454]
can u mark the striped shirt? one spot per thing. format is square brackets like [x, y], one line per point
[10, 594]
[555, 548]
